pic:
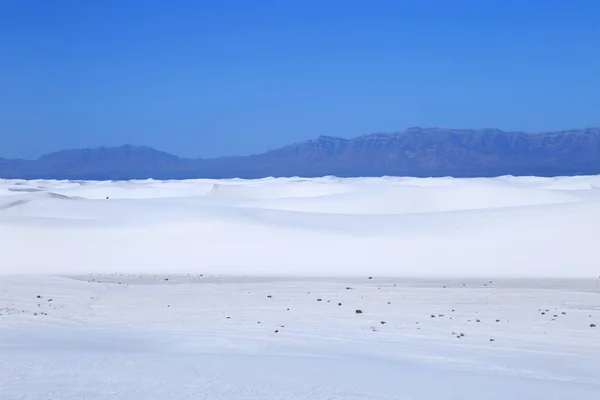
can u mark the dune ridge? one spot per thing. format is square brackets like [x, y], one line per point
[414, 227]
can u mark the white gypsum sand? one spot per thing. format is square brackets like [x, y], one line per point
[237, 289]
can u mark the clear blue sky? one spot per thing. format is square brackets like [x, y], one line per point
[200, 78]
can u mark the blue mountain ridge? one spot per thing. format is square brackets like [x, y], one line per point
[419, 152]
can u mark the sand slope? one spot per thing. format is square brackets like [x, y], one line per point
[505, 226]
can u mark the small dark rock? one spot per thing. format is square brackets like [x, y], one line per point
[358, 311]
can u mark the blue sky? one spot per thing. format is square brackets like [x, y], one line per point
[199, 78]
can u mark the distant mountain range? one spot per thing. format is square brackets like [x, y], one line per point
[419, 152]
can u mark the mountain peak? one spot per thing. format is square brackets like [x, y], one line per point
[416, 151]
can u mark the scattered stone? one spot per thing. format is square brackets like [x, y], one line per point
[269, 297]
[592, 325]
[383, 322]
[227, 317]
[49, 300]
[339, 304]
[319, 299]
[358, 311]
[38, 296]
[492, 340]
[477, 320]
[276, 330]
[370, 277]
[497, 320]
[432, 316]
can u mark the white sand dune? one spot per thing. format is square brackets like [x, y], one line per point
[538, 227]
[157, 337]
[249, 289]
